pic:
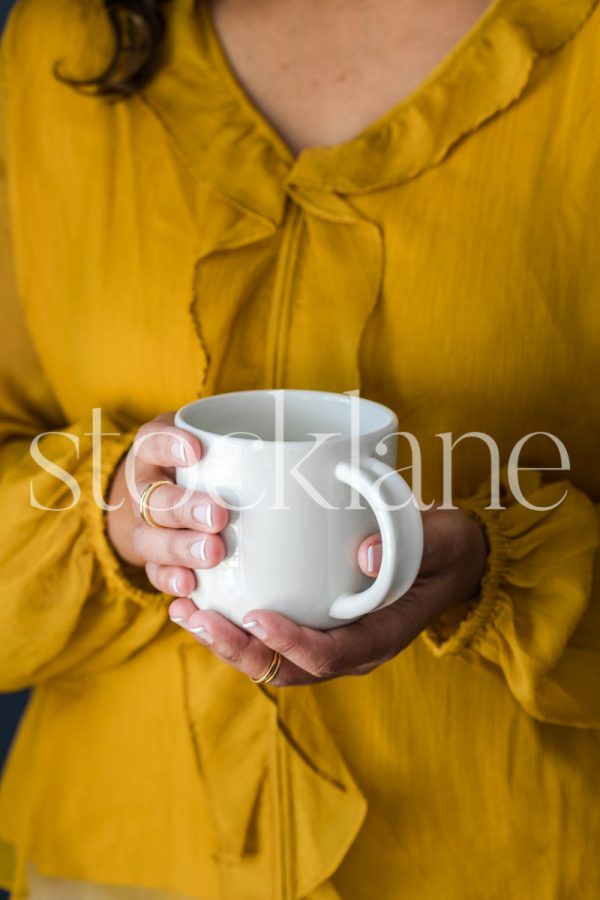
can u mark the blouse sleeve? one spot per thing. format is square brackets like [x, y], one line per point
[67, 602]
[536, 622]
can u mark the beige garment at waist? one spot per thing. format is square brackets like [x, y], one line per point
[43, 888]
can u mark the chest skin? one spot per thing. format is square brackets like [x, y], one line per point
[321, 72]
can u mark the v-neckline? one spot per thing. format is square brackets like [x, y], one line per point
[222, 60]
[231, 145]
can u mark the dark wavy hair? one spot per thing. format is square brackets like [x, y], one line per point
[138, 28]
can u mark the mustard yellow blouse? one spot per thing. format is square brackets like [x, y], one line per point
[445, 262]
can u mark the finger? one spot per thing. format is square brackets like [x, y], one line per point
[171, 506]
[369, 554]
[181, 609]
[162, 444]
[325, 654]
[232, 644]
[178, 547]
[171, 579]
[438, 547]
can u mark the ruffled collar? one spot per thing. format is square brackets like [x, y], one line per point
[230, 144]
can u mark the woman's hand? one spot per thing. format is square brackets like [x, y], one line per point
[187, 537]
[453, 564]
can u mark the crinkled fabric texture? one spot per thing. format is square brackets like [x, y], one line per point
[444, 262]
[532, 599]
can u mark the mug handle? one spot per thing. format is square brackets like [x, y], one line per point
[401, 536]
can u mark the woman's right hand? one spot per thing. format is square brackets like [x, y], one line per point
[187, 537]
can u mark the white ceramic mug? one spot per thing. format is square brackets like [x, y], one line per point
[297, 504]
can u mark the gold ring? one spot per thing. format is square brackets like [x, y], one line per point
[144, 510]
[272, 670]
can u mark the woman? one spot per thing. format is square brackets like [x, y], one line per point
[395, 197]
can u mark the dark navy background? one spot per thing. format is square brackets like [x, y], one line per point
[5, 5]
[11, 705]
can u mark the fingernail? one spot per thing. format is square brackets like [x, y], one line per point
[203, 513]
[177, 619]
[203, 633]
[256, 629]
[373, 558]
[198, 549]
[178, 450]
[175, 585]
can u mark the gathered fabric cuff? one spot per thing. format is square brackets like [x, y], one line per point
[455, 629]
[68, 603]
[536, 589]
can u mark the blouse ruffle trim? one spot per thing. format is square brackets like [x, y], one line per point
[484, 74]
[232, 146]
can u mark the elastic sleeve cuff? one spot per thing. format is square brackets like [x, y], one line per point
[537, 581]
[123, 579]
[455, 630]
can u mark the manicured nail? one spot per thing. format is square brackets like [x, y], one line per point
[203, 633]
[175, 585]
[373, 558]
[203, 513]
[256, 629]
[177, 619]
[178, 450]
[198, 549]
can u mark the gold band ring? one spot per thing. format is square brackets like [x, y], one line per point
[144, 504]
[272, 670]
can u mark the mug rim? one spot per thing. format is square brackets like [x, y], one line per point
[180, 421]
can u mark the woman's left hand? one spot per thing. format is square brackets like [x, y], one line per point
[453, 564]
